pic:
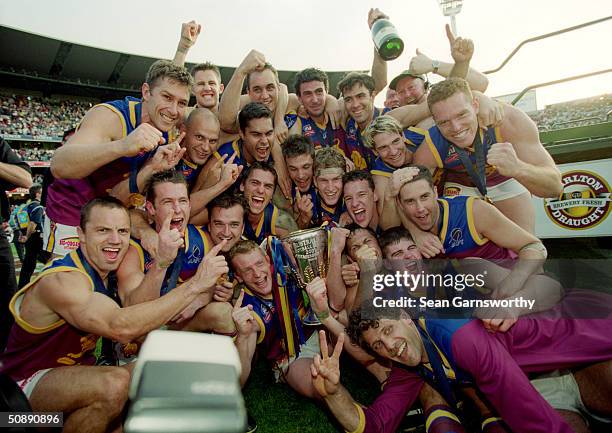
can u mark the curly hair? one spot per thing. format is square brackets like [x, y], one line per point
[368, 316]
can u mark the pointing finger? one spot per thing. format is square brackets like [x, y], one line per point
[238, 303]
[449, 34]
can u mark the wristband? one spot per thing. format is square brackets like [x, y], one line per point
[435, 64]
[322, 315]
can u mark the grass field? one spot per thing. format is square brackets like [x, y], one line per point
[277, 409]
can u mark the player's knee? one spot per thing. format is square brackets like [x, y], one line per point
[115, 385]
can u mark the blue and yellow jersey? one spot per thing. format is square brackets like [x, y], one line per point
[226, 150]
[129, 111]
[413, 137]
[447, 158]
[265, 227]
[190, 171]
[458, 233]
[437, 335]
[197, 245]
[327, 215]
[362, 156]
[321, 135]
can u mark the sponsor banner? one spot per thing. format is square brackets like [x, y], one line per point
[583, 208]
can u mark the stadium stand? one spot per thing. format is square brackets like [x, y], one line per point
[581, 112]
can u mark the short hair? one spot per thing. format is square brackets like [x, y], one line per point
[266, 66]
[357, 175]
[167, 69]
[244, 246]
[108, 202]
[206, 66]
[423, 173]
[447, 88]
[353, 78]
[35, 189]
[328, 157]
[310, 74]
[368, 316]
[166, 176]
[296, 145]
[198, 112]
[382, 124]
[227, 201]
[260, 165]
[253, 110]
[353, 227]
[392, 236]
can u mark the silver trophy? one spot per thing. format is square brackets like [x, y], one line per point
[307, 250]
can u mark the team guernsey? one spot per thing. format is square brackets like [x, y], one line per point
[226, 151]
[60, 344]
[458, 233]
[190, 171]
[462, 351]
[413, 137]
[265, 227]
[320, 135]
[66, 197]
[362, 156]
[447, 157]
[197, 245]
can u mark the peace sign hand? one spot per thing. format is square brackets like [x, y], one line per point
[325, 369]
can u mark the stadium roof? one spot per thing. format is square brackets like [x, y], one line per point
[32, 61]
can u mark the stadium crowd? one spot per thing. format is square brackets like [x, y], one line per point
[35, 154]
[161, 214]
[39, 117]
[582, 112]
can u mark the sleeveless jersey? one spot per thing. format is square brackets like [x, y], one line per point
[190, 171]
[265, 227]
[60, 344]
[413, 137]
[228, 149]
[458, 234]
[362, 156]
[447, 158]
[197, 245]
[320, 135]
[66, 197]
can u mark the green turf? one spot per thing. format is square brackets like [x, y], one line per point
[277, 408]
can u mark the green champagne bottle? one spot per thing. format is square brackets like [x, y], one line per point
[386, 40]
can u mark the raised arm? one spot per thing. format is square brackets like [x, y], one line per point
[99, 141]
[189, 35]
[422, 64]
[379, 66]
[229, 105]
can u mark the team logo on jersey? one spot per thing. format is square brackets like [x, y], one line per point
[585, 201]
[456, 238]
[195, 256]
[308, 131]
